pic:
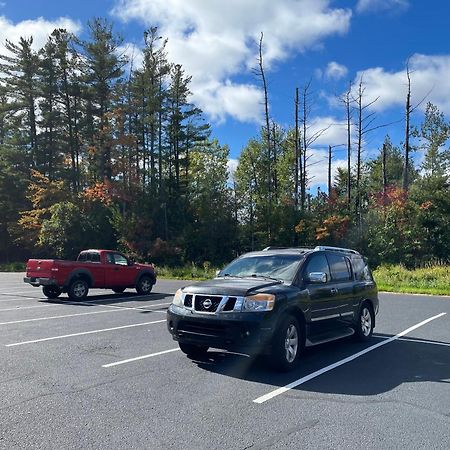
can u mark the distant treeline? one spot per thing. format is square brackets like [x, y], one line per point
[100, 151]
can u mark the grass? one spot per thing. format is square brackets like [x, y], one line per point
[187, 272]
[434, 280]
[13, 267]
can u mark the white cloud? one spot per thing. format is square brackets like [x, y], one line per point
[39, 29]
[335, 70]
[332, 131]
[232, 166]
[381, 5]
[429, 78]
[317, 168]
[216, 40]
[132, 52]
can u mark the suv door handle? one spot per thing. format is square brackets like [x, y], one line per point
[333, 290]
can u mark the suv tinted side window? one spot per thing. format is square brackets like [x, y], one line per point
[362, 272]
[317, 263]
[340, 267]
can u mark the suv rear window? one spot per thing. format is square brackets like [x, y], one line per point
[361, 270]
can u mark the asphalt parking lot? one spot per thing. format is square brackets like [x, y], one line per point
[105, 374]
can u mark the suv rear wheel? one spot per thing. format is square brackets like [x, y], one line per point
[287, 345]
[365, 323]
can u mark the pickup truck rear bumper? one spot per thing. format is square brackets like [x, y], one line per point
[40, 281]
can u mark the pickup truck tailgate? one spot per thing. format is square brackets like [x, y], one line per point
[40, 268]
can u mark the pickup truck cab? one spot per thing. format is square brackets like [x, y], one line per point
[99, 269]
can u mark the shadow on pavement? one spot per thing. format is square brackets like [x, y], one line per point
[376, 372]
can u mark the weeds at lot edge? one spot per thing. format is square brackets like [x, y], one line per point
[434, 280]
[13, 267]
[187, 272]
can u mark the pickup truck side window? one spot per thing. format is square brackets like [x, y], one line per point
[117, 258]
[317, 263]
[340, 267]
[95, 257]
[82, 257]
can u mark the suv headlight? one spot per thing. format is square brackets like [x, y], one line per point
[258, 302]
[178, 298]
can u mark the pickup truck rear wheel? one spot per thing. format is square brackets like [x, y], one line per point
[144, 285]
[287, 345]
[51, 291]
[78, 290]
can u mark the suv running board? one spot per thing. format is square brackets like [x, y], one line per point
[328, 336]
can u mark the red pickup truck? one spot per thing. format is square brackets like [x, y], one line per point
[99, 269]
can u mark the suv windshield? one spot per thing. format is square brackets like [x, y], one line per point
[280, 267]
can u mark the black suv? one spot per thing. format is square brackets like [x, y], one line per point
[277, 301]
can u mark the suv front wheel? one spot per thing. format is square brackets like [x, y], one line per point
[287, 345]
[193, 351]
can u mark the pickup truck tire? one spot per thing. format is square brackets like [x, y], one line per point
[51, 291]
[365, 322]
[193, 351]
[287, 345]
[78, 289]
[118, 290]
[144, 285]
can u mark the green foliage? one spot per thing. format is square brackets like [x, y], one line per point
[434, 279]
[66, 232]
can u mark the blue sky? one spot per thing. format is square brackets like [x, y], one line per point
[328, 42]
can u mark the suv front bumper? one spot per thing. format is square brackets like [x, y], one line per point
[245, 332]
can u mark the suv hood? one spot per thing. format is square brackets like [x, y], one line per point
[229, 286]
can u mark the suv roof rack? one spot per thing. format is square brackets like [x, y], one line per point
[300, 249]
[337, 249]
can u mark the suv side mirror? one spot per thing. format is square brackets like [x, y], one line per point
[318, 277]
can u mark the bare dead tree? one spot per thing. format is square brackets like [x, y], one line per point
[261, 74]
[307, 139]
[384, 168]
[346, 99]
[364, 125]
[298, 161]
[330, 157]
[407, 129]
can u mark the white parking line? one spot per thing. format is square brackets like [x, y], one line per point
[137, 308]
[16, 308]
[83, 333]
[118, 363]
[36, 319]
[317, 373]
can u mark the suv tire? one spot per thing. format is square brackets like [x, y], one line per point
[51, 291]
[287, 344]
[365, 323]
[78, 290]
[194, 351]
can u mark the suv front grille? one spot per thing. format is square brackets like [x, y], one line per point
[209, 303]
[205, 303]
